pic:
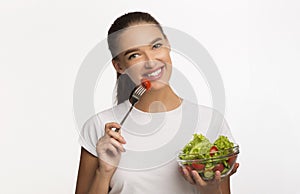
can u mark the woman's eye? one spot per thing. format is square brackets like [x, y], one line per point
[157, 45]
[133, 56]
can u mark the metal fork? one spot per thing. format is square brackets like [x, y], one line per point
[134, 98]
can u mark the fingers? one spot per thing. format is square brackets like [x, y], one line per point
[111, 142]
[117, 144]
[109, 126]
[198, 180]
[236, 166]
[117, 136]
[114, 134]
[187, 176]
[180, 170]
[193, 177]
[111, 150]
[218, 176]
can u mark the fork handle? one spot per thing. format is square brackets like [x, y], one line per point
[125, 117]
[133, 101]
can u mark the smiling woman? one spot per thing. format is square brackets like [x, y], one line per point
[140, 50]
[144, 53]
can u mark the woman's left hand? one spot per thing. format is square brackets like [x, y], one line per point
[216, 186]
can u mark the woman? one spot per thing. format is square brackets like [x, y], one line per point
[140, 50]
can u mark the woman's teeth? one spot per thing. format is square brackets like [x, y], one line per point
[155, 73]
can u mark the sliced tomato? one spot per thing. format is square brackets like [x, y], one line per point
[219, 167]
[231, 160]
[213, 150]
[198, 166]
[146, 84]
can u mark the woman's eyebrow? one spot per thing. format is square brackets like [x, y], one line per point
[130, 51]
[136, 49]
[155, 40]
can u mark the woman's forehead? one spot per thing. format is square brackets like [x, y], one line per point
[137, 36]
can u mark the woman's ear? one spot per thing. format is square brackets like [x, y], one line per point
[117, 65]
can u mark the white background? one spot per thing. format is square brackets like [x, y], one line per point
[255, 44]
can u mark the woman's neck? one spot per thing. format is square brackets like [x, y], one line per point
[161, 100]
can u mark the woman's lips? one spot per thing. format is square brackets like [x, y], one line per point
[154, 75]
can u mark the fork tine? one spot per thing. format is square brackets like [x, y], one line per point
[138, 91]
[141, 92]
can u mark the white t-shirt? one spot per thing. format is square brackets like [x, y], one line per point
[153, 139]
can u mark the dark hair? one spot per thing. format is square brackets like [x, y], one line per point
[124, 84]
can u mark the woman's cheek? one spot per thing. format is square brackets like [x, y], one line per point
[134, 74]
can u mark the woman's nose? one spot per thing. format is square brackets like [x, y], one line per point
[149, 64]
[149, 61]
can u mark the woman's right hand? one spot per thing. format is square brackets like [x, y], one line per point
[109, 148]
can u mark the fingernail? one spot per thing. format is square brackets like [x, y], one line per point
[195, 173]
[179, 169]
[185, 172]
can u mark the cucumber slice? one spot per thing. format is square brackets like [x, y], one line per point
[209, 174]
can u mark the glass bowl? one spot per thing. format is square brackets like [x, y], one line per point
[206, 166]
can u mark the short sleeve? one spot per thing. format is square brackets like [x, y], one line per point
[90, 133]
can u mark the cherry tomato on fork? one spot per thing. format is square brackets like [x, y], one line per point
[146, 84]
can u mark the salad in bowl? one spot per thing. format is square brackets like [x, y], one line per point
[207, 158]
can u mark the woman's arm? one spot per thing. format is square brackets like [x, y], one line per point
[95, 173]
[90, 179]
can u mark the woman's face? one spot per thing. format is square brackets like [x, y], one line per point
[144, 53]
